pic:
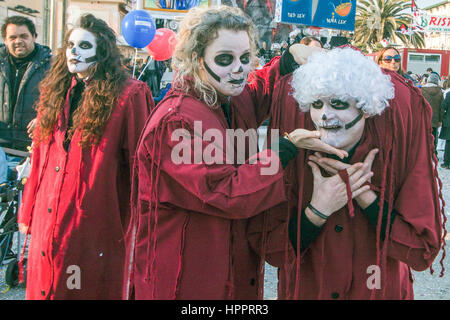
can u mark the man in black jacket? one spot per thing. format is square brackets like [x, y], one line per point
[23, 64]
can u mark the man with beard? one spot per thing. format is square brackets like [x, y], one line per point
[23, 64]
[328, 242]
[76, 200]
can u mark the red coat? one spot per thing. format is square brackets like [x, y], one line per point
[77, 204]
[337, 264]
[190, 240]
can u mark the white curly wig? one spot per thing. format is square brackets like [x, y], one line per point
[343, 73]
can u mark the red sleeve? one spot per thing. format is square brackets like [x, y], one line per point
[268, 235]
[415, 236]
[260, 87]
[31, 186]
[139, 105]
[218, 189]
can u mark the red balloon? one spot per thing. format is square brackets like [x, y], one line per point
[163, 44]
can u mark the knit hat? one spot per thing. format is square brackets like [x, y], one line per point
[433, 78]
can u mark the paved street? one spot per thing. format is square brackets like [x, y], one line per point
[426, 286]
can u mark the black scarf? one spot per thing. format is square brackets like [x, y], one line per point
[18, 68]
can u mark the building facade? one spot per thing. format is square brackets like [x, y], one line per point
[29, 9]
[64, 13]
[436, 40]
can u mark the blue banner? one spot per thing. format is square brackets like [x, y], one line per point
[333, 14]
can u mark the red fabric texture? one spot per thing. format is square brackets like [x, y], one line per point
[77, 205]
[344, 176]
[190, 220]
[337, 265]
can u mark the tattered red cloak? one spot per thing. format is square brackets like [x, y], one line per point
[77, 205]
[339, 262]
[191, 219]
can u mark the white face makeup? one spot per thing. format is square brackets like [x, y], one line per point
[80, 52]
[227, 62]
[340, 123]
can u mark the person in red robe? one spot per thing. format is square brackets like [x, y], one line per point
[76, 200]
[194, 188]
[329, 243]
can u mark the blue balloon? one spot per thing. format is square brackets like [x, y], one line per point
[138, 28]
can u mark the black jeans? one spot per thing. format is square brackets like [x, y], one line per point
[447, 153]
[435, 132]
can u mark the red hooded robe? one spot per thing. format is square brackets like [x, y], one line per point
[191, 219]
[77, 205]
[339, 262]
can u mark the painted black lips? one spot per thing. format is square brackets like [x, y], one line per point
[335, 127]
[236, 81]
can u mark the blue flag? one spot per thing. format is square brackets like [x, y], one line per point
[333, 14]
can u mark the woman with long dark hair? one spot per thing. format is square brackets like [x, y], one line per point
[76, 201]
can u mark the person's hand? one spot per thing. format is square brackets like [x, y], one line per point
[23, 228]
[301, 53]
[306, 139]
[30, 127]
[332, 166]
[330, 193]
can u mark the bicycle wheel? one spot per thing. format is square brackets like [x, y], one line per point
[12, 273]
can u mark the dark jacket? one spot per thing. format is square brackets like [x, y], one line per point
[433, 94]
[445, 106]
[14, 121]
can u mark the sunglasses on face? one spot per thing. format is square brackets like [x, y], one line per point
[389, 58]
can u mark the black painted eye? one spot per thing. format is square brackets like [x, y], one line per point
[339, 104]
[318, 104]
[245, 58]
[224, 59]
[70, 45]
[85, 45]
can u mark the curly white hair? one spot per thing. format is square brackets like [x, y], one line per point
[343, 73]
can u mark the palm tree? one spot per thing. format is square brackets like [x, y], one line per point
[380, 19]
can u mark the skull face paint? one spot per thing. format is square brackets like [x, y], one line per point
[227, 62]
[339, 121]
[80, 52]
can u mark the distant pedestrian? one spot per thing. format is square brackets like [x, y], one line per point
[390, 58]
[433, 94]
[264, 54]
[284, 47]
[445, 131]
[430, 71]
